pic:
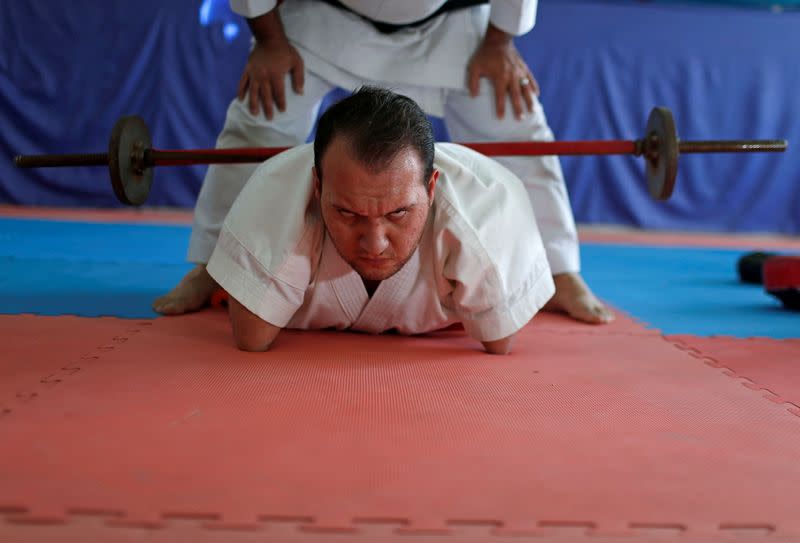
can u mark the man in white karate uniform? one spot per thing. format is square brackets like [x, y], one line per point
[455, 58]
[373, 228]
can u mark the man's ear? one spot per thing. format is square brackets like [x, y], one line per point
[432, 184]
[317, 184]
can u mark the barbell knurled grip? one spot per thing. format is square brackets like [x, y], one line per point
[56, 161]
[733, 146]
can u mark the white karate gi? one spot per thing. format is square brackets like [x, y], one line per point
[480, 260]
[427, 63]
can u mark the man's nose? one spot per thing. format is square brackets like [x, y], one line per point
[374, 241]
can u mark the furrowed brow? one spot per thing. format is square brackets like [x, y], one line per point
[342, 208]
[346, 210]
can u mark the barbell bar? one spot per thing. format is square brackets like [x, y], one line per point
[131, 157]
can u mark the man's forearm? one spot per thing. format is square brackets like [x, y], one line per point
[267, 27]
[499, 346]
[496, 36]
[250, 332]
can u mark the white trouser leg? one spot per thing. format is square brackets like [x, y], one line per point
[475, 119]
[223, 182]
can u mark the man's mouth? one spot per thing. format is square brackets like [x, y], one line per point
[377, 262]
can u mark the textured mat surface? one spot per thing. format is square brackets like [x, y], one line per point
[172, 434]
[769, 365]
[40, 353]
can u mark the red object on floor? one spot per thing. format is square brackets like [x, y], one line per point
[219, 298]
[782, 279]
[171, 434]
[782, 272]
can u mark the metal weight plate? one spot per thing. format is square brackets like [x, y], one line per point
[130, 180]
[661, 153]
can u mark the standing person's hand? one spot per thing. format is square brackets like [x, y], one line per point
[498, 60]
[264, 77]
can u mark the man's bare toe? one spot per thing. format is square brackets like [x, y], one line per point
[175, 306]
[178, 303]
[574, 298]
[192, 294]
[160, 303]
[589, 310]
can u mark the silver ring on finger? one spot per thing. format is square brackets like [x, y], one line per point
[524, 81]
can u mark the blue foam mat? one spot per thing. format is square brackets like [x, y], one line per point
[686, 291]
[100, 269]
[88, 269]
[84, 288]
[41, 239]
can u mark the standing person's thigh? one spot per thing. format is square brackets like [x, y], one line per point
[475, 119]
[223, 183]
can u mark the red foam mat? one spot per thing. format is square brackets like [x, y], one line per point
[39, 353]
[173, 435]
[769, 365]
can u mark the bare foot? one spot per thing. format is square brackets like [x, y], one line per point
[192, 293]
[574, 298]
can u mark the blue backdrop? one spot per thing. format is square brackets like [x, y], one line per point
[68, 70]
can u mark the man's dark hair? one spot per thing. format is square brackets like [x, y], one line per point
[378, 124]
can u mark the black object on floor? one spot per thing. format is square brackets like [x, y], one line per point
[790, 297]
[751, 267]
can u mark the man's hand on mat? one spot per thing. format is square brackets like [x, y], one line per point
[574, 298]
[498, 60]
[192, 293]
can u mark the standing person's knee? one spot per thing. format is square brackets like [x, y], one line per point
[476, 118]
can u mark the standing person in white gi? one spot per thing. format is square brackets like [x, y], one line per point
[455, 58]
[373, 228]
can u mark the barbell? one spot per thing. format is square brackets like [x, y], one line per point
[131, 157]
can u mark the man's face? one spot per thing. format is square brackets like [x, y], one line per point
[375, 220]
